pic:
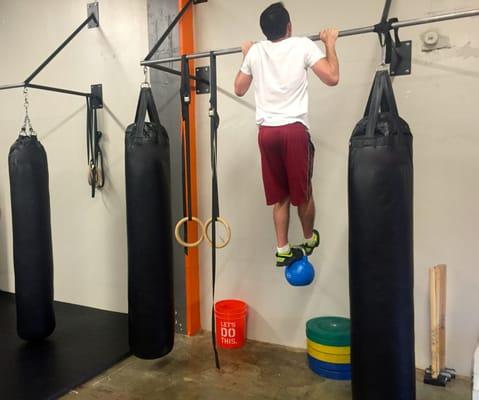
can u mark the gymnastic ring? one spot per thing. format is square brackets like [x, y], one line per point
[177, 232]
[227, 228]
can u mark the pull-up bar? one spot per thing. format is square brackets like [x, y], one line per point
[348, 32]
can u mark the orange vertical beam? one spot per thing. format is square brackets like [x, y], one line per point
[192, 278]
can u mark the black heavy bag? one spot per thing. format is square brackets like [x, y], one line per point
[148, 205]
[381, 250]
[32, 238]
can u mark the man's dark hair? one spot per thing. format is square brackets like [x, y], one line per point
[274, 21]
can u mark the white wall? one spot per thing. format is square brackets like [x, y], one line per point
[89, 235]
[439, 101]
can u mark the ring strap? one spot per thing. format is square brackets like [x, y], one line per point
[214, 124]
[94, 153]
[185, 96]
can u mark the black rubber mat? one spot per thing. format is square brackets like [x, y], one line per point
[86, 341]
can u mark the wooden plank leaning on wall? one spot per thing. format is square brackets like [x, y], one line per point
[437, 301]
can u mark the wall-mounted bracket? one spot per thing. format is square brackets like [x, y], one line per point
[97, 96]
[92, 8]
[203, 74]
[199, 1]
[401, 59]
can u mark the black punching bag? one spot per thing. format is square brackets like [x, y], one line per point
[150, 259]
[32, 238]
[381, 250]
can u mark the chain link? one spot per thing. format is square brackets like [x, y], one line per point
[27, 123]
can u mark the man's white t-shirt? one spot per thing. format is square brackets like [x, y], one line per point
[279, 71]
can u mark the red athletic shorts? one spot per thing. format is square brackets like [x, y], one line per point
[287, 155]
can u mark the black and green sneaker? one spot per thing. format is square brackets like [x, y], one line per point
[307, 247]
[284, 260]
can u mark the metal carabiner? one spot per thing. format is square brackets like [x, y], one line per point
[146, 82]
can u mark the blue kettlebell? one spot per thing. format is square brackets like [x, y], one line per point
[300, 273]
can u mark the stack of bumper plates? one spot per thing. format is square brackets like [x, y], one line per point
[329, 347]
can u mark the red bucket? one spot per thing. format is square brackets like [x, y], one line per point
[230, 319]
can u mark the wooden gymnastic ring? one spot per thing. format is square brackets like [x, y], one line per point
[177, 231]
[227, 228]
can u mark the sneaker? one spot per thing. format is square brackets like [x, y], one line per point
[307, 247]
[284, 260]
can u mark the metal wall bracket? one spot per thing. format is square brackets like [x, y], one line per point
[199, 1]
[203, 73]
[401, 59]
[97, 96]
[92, 8]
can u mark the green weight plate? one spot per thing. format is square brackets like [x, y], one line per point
[330, 342]
[330, 331]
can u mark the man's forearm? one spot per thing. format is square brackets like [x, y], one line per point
[332, 59]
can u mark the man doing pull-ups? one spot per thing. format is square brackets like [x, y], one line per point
[278, 67]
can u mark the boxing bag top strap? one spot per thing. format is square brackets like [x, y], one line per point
[389, 97]
[374, 104]
[388, 103]
[141, 105]
[146, 103]
[371, 95]
[370, 98]
[381, 99]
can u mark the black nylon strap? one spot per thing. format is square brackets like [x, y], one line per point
[99, 159]
[185, 95]
[381, 99]
[88, 129]
[146, 103]
[98, 154]
[183, 183]
[215, 212]
[94, 152]
[383, 29]
[375, 104]
[389, 97]
[396, 32]
[89, 145]
[384, 105]
[370, 98]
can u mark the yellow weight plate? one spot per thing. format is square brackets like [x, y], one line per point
[335, 350]
[329, 358]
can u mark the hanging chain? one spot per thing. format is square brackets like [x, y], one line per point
[146, 82]
[26, 122]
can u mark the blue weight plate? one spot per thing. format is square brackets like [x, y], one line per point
[325, 373]
[330, 366]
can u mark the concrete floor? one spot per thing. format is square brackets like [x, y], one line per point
[257, 371]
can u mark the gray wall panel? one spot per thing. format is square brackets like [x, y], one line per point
[166, 91]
